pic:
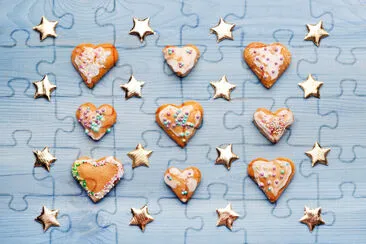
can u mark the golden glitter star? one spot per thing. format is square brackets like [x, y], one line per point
[312, 217]
[226, 156]
[133, 87]
[46, 28]
[141, 217]
[48, 218]
[139, 156]
[44, 158]
[141, 28]
[222, 88]
[318, 154]
[223, 30]
[226, 216]
[311, 87]
[44, 88]
[316, 33]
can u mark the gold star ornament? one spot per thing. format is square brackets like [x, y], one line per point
[44, 88]
[315, 33]
[48, 218]
[226, 156]
[139, 156]
[46, 28]
[44, 158]
[311, 87]
[318, 154]
[223, 30]
[141, 217]
[226, 216]
[312, 217]
[222, 88]
[133, 87]
[141, 28]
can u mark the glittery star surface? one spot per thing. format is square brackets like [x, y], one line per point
[226, 156]
[316, 33]
[140, 156]
[46, 28]
[133, 87]
[312, 217]
[223, 30]
[222, 88]
[141, 28]
[311, 87]
[44, 88]
[48, 218]
[44, 158]
[318, 154]
[226, 216]
[141, 217]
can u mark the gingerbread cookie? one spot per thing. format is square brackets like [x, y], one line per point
[93, 61]
[180, 122]
[97, 177]
[183, 183]
[96, 122]
[272, 176]
[181, 60]
[268, 62]
[273, 125]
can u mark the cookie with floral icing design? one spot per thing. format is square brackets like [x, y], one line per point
[180, 122]
[96, 121]
[183, 182]
[268, 62]
[181, 60]
[97, 177]
[93, 61]
[272, 176]
[273, 125]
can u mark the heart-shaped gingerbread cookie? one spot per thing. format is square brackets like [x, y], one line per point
[273, 125]
[183, 182]
[97, 177]
[181, 60]
[97, 122]
[272, 176]
[93, 61]
[268, 62]
[180, 122]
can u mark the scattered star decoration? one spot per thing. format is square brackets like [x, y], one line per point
[44, 88]
[44, 158]
[312, 217]
[311, 87]
[141, 28]
[318, 154]
[133, 87]
[315, 33]
[48, 218]
[46, 28]
[226, 216]
[226, 156]
[222, 88]
[140, 156]
[223, 30]
[141, 217]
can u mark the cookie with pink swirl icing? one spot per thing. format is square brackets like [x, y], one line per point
[181, 60]
[268, 62]
[272, 177]
[273, 125]
[93, 61]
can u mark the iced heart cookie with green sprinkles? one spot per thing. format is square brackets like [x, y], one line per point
[96, 121]
[181, 60]
[97, 177]
[272, 177]
[180, 122]
[183, 182]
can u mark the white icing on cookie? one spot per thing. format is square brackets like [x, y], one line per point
[268, 59]
[180, 59]
[91, 60]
